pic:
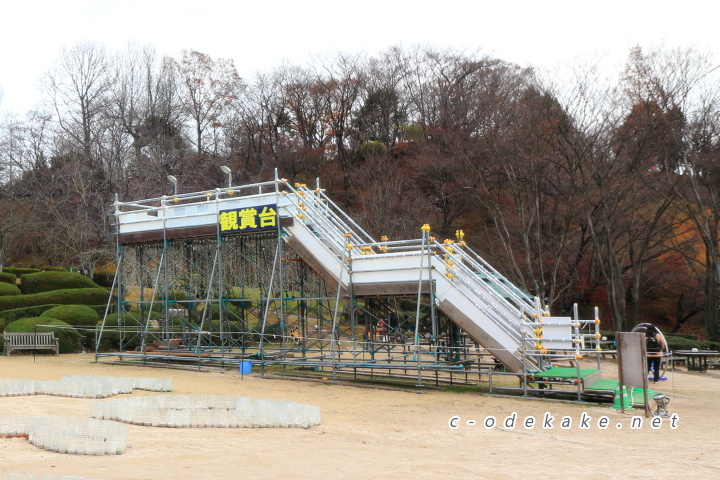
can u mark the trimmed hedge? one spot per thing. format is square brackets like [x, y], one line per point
[10, 316]
[679, 341]
[101, 309]
[47, 281]
[688, 342]
[48, 268]
[104, 278]
[69, 338]
[71, 296]
[8, 289]
[18, 271]
[8, 277]
[73, 314]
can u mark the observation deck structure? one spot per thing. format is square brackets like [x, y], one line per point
[279, 274]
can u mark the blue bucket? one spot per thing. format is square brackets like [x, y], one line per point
[245, 367]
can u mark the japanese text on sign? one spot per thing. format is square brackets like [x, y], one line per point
[248, 219]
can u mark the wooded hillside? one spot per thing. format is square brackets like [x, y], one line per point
[578, 188]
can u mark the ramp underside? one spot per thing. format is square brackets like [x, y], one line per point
[476, 331]
[319, 267]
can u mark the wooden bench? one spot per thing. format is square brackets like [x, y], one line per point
[30, 341]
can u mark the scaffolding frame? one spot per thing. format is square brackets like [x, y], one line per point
[222, 299]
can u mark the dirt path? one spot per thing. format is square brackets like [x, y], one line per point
[373, 433]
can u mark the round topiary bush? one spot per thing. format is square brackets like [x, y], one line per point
[9, 289]
[68, 336]
[48, 281]
[73, 314]
[13, 314]
[8, 277]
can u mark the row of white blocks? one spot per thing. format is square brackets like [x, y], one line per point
[223, 411]
[74, 435]
[83, 386]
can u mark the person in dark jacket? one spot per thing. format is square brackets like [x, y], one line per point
[655, 350]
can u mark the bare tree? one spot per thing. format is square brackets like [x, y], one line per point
[27, 180]
[384, 109]
[686, 81]
[146, 108]
[78, 91]
[340, 83]
[207, 88]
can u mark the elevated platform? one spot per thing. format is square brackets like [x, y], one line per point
[473, 295]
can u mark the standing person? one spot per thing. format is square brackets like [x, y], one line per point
[654, 349]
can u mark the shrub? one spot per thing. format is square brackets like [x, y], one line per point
[48, 281]
[69, 338]
[17, 271]
[685, 342]
[104, 278]
[691, 336]
[680, 343]
[177, 295]
[73, 314]
[8, 277]
[675, 341]
[49, 268]
[16, 313]
[8, 289]
[2, 324]
[78, 296]
[101, 309]
[246, 297]
[212, 312]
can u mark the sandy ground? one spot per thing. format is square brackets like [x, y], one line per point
[373, 433]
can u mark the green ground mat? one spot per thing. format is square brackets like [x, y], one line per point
[605, 384]
[565, 372]
[638, 393]
[610, 385]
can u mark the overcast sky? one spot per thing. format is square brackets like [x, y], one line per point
[259, 35]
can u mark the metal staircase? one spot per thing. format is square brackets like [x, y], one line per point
[471, 293]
